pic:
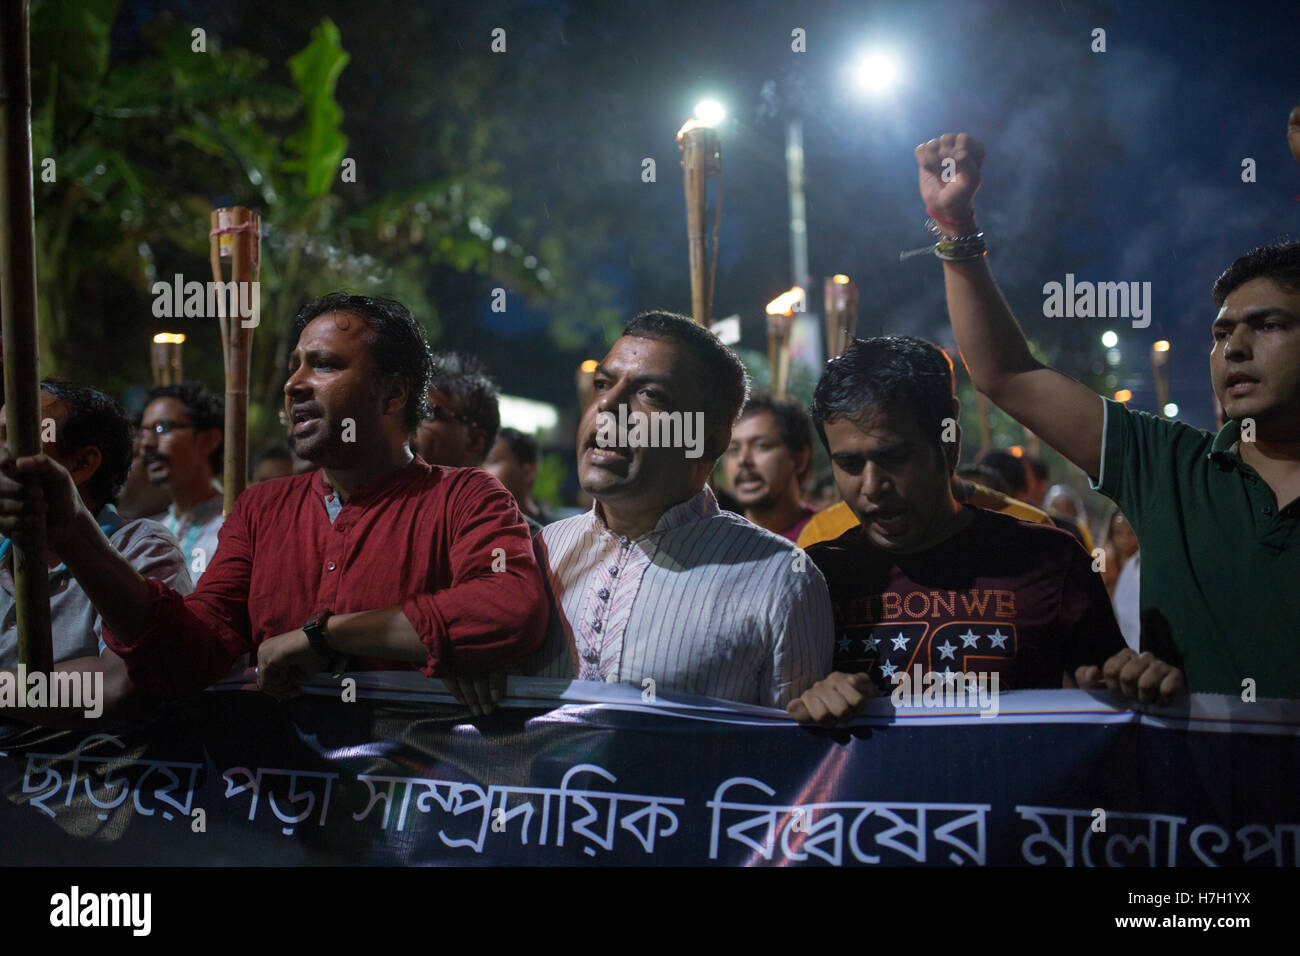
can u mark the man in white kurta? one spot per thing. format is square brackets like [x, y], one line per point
[656, 582]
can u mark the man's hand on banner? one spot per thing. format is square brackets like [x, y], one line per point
[284, 662]
[838, 698]
[479, 692]
[1141, 677]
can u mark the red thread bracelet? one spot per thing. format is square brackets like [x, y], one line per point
[950, 222]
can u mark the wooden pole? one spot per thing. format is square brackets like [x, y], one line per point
[841, 299]
[18, 302]
[235, 235]
[165, 357]
[701, 158]
[1160, 374]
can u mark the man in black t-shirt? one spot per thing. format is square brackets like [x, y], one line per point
[925, 582]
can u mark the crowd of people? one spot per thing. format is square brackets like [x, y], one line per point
[396, 526]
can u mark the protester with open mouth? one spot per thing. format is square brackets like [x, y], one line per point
[656, 586]
[378, 560]
[766, 463]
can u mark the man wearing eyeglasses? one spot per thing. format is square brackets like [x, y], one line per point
[464, 418]
[181, 435]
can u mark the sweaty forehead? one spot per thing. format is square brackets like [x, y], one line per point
[632, 355]
[872, 428]
[334, 330]
[1258, 294]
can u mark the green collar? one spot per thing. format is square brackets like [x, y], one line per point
[1227, 437]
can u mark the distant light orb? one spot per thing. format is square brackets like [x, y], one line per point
[1109, 339]
[1124, 395]
[710, 112]
[875, 72]
[1113, 356]
[1171, 410]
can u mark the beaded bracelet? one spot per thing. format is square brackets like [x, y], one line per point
[956, 250]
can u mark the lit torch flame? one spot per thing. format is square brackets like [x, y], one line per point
[784, 304]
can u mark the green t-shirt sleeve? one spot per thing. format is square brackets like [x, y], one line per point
[1135, 459]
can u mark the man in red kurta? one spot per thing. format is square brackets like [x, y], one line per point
[378, 557]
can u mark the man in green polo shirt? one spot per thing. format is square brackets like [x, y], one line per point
[1217, 516]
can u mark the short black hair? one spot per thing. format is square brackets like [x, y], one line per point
[464, 378]
[205, 410]
[522, 445]
[1279, 261]
[723, 370]
[791, 420]
[95, 420]
[887, 373]
[1009, 466]
[983, 475]
[397, 341]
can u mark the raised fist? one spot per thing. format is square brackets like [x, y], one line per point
[949, 175]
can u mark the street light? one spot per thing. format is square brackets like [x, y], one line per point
[1109, 339]
[875, 71]
[710, 112]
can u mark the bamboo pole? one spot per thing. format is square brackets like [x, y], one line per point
[841, 299]
[18, 305]
[701, 158]
[165, 357]
[1160, 374]
[780, 317]
[235, 235]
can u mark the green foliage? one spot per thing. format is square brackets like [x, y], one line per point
[144, 146]
[318, 146]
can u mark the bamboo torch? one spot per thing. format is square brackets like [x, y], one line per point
[165, 357]
[701, 158]
[18, 302]
[236, 236]
[1160, 373]
[780, 316]
[841, 297]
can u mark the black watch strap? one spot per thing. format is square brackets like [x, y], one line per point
[315, 631]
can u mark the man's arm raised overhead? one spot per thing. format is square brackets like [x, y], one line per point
[1066, 414]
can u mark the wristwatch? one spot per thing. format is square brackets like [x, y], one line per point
[315, 631]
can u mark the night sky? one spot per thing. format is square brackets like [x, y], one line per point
[1117, 166]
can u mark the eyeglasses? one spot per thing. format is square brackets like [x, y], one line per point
[162, 428]
[443, 413]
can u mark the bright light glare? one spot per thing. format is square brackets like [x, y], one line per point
[1171, 410]
[1123, 395]
[1109, 339]
[1161, 346]
[710, 112]
[875, 72]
